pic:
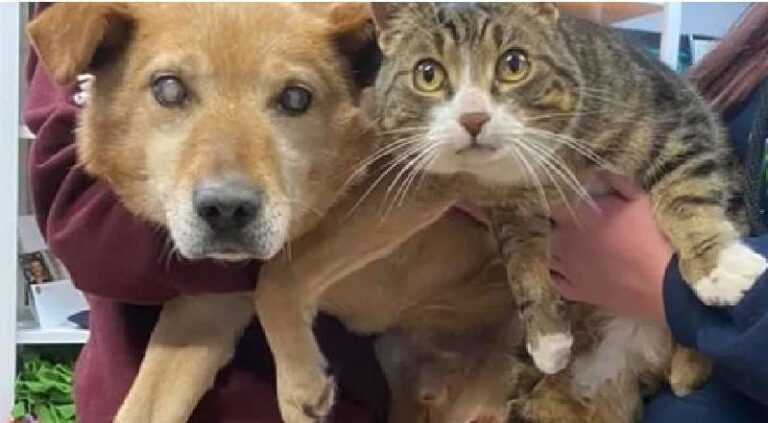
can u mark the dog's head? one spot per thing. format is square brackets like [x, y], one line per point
[233, 125]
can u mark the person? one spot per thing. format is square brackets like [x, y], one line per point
[124, 267]
[618, 258]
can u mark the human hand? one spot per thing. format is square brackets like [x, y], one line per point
[615, 257]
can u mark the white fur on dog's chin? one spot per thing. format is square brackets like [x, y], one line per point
[624, 341]
[188, 232]
[553, 352]
[738, 268]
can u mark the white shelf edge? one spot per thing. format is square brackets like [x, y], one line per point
[51, 336]
[25, 133]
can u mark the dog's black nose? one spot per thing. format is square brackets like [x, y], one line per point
[227, 208]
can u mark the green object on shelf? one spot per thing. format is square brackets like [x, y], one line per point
[44, 386]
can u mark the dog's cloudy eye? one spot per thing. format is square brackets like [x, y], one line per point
[295, 100]
[169, 91]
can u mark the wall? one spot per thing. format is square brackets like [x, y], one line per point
[711, 19]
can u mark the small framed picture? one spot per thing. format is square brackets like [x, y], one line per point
[36, 268]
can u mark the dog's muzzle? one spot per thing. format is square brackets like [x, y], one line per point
[233, 219]
[227, 209]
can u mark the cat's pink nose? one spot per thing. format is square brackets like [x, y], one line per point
[473, 122]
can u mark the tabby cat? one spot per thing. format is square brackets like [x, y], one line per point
[523, 106]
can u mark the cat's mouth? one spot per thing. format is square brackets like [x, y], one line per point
[477, 151]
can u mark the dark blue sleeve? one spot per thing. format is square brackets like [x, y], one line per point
[736, 338]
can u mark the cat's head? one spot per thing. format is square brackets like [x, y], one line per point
[472, 87]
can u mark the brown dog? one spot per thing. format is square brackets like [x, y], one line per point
[238, 141]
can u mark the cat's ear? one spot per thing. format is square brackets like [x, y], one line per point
[383, 14]
[546, 11]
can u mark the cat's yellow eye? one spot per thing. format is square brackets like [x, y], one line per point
[429, 76]
[513, 66]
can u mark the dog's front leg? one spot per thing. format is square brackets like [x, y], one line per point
[305, 390]
[289, 289]
[194, 337]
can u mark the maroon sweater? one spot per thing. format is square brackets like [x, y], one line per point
[118, 261]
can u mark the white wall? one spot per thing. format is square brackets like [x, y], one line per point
[711, 19]
[9, 139]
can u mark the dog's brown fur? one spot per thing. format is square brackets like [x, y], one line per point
[150, 154]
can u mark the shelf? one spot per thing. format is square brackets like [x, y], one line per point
[25, 133]
[28, 332]
[51, 336]
[609, 12]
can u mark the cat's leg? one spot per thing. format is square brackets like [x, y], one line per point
[289, 289]
[194, 337]
[712, 258]
[552, 401]
[523, 234]
[618, 346]
[692, 214]
[689, 370]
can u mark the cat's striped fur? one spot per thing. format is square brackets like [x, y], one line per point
[589, 102]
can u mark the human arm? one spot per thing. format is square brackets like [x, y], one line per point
[618, 259]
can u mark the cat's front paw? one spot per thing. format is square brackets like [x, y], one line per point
[551, 352]
[738, 268]
[305, 398]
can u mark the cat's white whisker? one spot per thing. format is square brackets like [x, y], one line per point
[403, 171]
[389, 149]
[424, 158]
[522, 157]
[575, 144]
[405, 129]
[411, 154]
[564, 172]
[390, 167]
[549, 167]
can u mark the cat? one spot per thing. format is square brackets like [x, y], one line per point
[520, 106]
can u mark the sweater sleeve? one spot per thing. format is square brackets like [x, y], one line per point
[107, 250]
[736, 338]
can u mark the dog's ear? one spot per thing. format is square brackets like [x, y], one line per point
[71, 38]
[355, 38]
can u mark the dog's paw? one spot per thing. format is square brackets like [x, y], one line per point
[307, 400]
[552, 352]
[738, 267]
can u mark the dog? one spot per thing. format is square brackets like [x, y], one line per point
[239, 143]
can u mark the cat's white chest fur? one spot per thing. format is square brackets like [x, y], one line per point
[626, 345]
